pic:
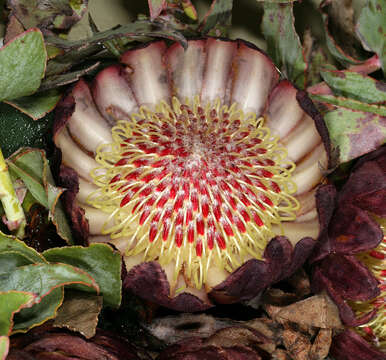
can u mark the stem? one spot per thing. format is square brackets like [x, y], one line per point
[12, 207]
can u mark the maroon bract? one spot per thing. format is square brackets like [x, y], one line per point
[348, 230]
[190, 162]
[348, 345]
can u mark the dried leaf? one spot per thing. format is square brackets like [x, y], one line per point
[51, 14]
[281, 354]
[316, 311]
[272, 310]
[79, 312]
[267, 327]
[321, 346]
[237, 335]
[297, 344]
[13, 29]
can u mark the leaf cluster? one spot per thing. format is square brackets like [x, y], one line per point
[33, 286]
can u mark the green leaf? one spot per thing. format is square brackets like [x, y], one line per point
[155, 7]
[351, 104]
[58, 14]
[354, 133]
[10, 260]
[15, 253]
[57, 214]
[41, 279]
[340, 33]
[283, 43]
[42, 311]
[38, 105]
[12, 302]
[4, 347]
[32, 167]
[19, 130]
[354, 85]
[100, 261]
[46, 281]
[337, 52]
[11, 244]
[29, 167]
[22, 65]
[218, 18]
[371, 28]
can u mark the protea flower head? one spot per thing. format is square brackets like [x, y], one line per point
[191, 161]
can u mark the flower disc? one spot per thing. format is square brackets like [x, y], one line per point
[194, 186]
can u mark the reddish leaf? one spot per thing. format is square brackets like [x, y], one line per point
[348, 345]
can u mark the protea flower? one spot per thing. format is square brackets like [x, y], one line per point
[190, 162]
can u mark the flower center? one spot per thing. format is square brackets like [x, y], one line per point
[196, 186]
